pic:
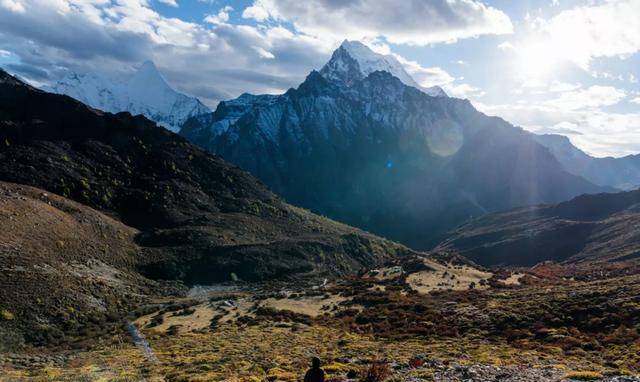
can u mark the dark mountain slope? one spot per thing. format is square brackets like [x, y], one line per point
[385, 156]
[200, 218]
[589, 228]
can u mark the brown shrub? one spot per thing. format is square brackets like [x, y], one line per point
[622, 336]
[416, 363]
[377, 372]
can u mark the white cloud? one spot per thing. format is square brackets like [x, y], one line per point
[593, 97]
[602, 75]
[12, 5]
[609, 134]
[416, 22]
[436, 76]
[506, 46]
[609, 29]
[636, 100]
[264, 53]
[172, 3]
[221, 17]
[113, 37]
[577, 111]
[559, 87]
[425, 76]
[256, 12]
[533, 83]
[594, 131]
[462, 90]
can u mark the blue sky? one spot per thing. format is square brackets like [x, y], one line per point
[563, 66]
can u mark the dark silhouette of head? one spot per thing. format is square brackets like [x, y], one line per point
[315, 363]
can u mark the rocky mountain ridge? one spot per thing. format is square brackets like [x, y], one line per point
[384, 156]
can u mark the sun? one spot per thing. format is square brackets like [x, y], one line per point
[536, 59]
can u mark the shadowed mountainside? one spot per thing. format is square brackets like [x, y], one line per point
[200, 218]
[588, 228]
[375, 153]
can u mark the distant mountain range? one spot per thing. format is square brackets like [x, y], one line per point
[146, 92]
[622, 173]
[358, 141]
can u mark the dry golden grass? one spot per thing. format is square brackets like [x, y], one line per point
[583, 375]
[252, 340]
[513, 279]
[312, 306]
[199, 319]
[447, 276]
[267, 352]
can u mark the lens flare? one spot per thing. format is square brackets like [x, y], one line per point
[445, 138]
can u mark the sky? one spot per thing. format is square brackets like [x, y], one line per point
[550, 66]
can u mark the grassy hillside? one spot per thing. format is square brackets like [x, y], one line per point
[121, 202]
[66, 269]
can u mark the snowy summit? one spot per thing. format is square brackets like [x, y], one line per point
[353, 61]
[146, 92]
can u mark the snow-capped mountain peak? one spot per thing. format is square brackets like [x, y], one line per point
[353, 61]
[145, 92]
[89, 87]
[148, 76]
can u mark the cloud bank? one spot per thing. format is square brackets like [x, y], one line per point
[415, 22]
[216, 59]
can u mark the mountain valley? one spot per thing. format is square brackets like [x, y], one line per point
[177, 213]
[131, 253]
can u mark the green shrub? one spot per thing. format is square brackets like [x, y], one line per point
[6, 315]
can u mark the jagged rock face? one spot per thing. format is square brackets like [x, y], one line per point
[622, 173]
[385, 156]
[200, 218]
[342, 67]
[145, 92]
